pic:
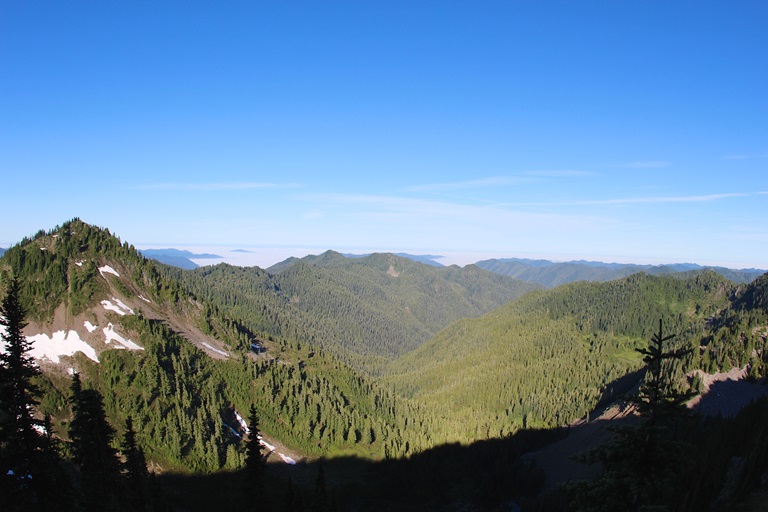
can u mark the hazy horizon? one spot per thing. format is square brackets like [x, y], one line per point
[265, 257]
[629, 132]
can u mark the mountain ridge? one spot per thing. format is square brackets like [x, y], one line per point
[428, 259]
[390, 304]
[177, 258]
[546, 272]
[552, 274]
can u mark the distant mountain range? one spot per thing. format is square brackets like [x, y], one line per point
[552, 274]
[427, 259]
[544, 272]
[176, 257]
[2, 251]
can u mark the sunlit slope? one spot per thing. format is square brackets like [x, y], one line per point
[367, 310]
[551, 274]
[547, 358]
[387, 304]
[183, 366]
[80, 278]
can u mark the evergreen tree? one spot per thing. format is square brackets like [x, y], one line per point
[255, 466]
[20, 442]
[135, 468]
[31, 470]
[19, 438]
[658, 396]
[91, 436]
[52, 480]
[643, 464]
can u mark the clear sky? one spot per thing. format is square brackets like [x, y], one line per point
[615, 130]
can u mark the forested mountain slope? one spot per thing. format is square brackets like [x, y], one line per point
[551, 274]
[547, 358]
[368, 310]
[173, 350]
[738, 335]
[178, 365]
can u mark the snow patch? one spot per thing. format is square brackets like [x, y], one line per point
[88, 325]
[111, 335]
[242, 423]
[209, 347]
[79, 263]
[262, 442]
[120, 308]
[60, 343]
[145, 300]
[108, 270]
[122, 305]
[111, 307]
[271, 448]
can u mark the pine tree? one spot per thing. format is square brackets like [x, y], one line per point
[658, 398]
[642, 464]
[255, 463]
[91, 436]
[135, 468]
[52, 480]
[20, 442]
[32, 475]
[19, 438]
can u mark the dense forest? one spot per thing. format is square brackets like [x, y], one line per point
[179, 392]
[376, 373]
[366, 311]
[552, 274]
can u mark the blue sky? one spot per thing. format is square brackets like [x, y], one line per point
[621, 131]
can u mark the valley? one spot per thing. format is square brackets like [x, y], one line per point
[412, 385]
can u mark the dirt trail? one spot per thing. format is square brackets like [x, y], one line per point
[556, 460]
[723, 393]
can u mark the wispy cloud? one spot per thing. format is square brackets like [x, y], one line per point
[646, 164]
[499, 181]
[400, 209]
[638, 200]
[560, 173]
[665, 199]
[496, 181]
[212, 187]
